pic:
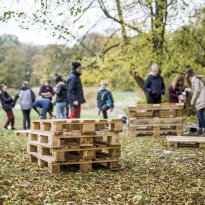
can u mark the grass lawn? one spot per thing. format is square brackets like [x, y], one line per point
[150, 174]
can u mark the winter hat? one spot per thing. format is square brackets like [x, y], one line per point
[190, 72]
[76, 65]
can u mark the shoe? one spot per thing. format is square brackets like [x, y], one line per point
[13, 128]
[200, 133]
[5, 128]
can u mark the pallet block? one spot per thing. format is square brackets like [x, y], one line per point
[83, 165]
[53, 140]
[77, 125]
[164, 110]
[74, 154]
[181, 141]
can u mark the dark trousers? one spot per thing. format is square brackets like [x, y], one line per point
[26, 119]
[153, 99]
[75, 112]
[201, 119]
[10, 118]
[104, 110]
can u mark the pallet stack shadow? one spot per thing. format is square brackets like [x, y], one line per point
[75, 143]
[156, 119]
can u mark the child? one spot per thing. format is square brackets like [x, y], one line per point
[7, 105]
[104, 99]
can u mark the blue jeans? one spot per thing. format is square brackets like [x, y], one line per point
[201, 119]
[61, 110]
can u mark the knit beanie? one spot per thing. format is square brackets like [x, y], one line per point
[76, 65]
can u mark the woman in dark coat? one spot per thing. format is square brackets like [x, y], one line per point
[177, 92]
[154, 86]
[7, 104]
[75, 90]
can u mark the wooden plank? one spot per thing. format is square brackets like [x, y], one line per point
[163, 106]
[22, 132]
[156, 121]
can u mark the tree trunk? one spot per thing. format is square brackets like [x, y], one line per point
[121, 18]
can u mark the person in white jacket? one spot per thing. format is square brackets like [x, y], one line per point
[27, 97]
[198, 97]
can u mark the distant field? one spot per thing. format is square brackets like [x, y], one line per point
[89, 110]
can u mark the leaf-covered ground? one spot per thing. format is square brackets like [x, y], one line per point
[150, 174]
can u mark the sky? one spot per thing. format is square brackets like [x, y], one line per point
[38, 36]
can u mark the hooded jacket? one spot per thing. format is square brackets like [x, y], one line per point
[198, 92]
[154, 85]
[61, 92]
[75, 88]
[6, 101]
[27, 97]
[104, 97]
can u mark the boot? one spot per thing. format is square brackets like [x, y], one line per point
[199, 132]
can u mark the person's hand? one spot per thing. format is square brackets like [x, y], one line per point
[111, 109]
[75, 103]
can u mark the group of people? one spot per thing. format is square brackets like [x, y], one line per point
[69, 94]
[178, 92]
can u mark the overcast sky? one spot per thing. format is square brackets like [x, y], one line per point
[36, 35]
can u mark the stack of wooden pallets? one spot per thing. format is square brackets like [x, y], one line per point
[79, 143]
[156, 119]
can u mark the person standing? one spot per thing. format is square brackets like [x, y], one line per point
[59, 78]
[61, 100]
[177, 90]
[104, 99]
[27, 97]
[7, 104]
[198, 97]
[75, 90]
[154, 85]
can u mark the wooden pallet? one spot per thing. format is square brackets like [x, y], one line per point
[156, 121]
[155, 126]
[155, 131]
[69, 139]
[74, 154]
[180, 141]
[164, 110]
[82, 165]
[77, 125]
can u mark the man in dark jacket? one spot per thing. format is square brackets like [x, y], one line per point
[154, 86]
[75, 90]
